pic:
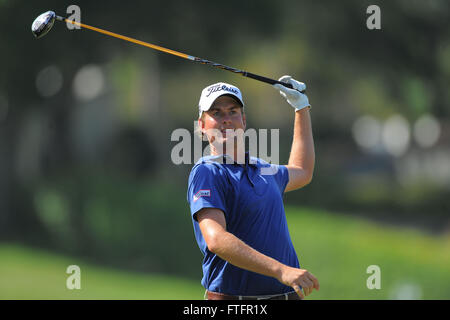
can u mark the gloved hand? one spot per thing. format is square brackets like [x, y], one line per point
[295, 98]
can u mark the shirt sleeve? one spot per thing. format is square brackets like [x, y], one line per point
[207, 188]
[281, 177]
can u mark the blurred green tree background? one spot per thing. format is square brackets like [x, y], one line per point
[86, 120]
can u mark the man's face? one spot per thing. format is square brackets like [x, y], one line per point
[225, 114]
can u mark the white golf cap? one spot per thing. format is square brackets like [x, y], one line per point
[212, 92]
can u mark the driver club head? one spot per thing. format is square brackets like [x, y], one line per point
[42, 24]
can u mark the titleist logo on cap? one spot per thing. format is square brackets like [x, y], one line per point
[216, 88]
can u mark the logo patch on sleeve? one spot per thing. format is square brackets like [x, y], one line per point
[202, 193]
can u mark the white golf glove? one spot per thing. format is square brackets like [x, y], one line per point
[295, 98]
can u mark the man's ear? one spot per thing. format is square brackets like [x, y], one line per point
[201, 124]
[244, 120]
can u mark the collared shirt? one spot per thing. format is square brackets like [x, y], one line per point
[250, 196]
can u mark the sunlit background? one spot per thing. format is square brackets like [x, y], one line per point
[86, 176]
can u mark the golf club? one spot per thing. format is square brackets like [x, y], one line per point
[42, 25]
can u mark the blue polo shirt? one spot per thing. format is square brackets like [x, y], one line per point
[250, 197]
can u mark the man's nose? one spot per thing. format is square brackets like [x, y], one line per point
[226, 118]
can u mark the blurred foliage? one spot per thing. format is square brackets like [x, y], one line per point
[123, 221]
[93, 177]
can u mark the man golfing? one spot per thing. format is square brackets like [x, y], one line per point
[237, 208]
[236, 202]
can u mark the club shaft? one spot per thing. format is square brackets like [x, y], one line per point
[176, 53]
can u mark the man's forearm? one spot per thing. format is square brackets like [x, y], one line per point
[302, 150]
[241, 255]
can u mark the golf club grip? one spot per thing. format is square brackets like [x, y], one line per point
[270, 81]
